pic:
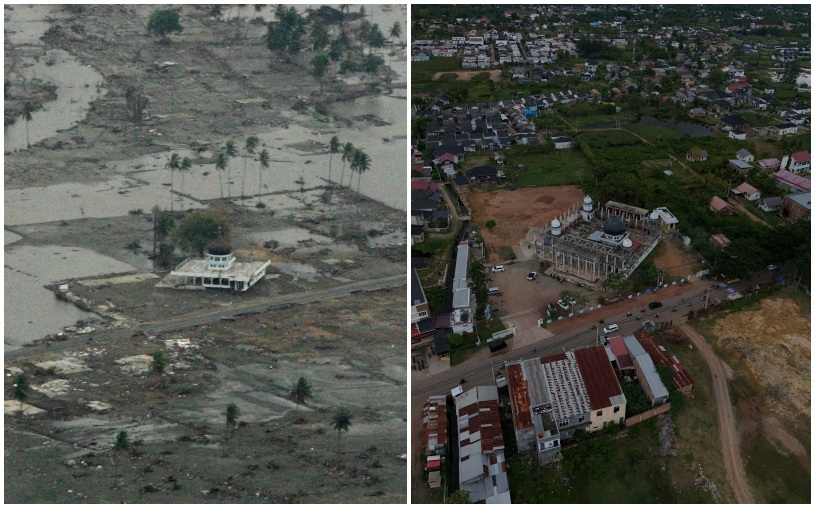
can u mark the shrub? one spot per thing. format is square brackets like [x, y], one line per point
[490, 224]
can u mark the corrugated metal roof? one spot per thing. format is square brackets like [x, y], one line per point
[564, 382]
[601, 383]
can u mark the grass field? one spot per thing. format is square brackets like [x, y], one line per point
[776, 477]
[563, 167]
[422, 72]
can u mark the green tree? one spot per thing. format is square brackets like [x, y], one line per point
[458, 497]
[320, 37]
[615, 282]
[361, 163]
[199, 229]
[490, 224]
[319, 68]
[263, 159]
[333, 147]
[286, 35]
[791, 72]
[159, 363]
[456, 340]
[341, 421]
[19, 389]
[122, 442]
[162, 22]
[173, 164]
[183, 168]
[230, 150]
[221, 161]
[347, 154]
[28, 115]
[395, 31]
[300, 391]
[249, 151]
[232, 414]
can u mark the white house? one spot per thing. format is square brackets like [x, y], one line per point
[737, 134]
[747, 191]
[220, 270]
[800, 162]
[744, 155]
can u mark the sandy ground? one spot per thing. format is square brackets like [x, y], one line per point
[676, 259]
[468, 75]
[515, 211]
[350, 349]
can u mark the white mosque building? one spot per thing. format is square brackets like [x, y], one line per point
[220, 270]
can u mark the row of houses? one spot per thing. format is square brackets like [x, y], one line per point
[798, 163]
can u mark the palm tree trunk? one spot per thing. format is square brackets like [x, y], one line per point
[229, 182]
[182, 190]
[342, 176]
[330, 159]
[221, 182]
[27, 138]
[260, 182]
[359, 181]
[172, 182]
[243, 180]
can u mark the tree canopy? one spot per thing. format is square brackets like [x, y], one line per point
[286, 34]
[200, 228]
[163, 22]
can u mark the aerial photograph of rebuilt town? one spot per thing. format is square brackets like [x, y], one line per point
[610, 253]
[205, 253]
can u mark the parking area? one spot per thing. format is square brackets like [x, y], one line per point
[519, 295]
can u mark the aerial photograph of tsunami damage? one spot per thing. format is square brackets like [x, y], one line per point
[610, 253]
[205, 253]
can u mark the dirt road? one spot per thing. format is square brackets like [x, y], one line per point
[733, 462]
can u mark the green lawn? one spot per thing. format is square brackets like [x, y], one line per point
[422, 72]
[775, 477]
[654, 132]
[563, 167]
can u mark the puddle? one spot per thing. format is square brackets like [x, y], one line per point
[31, 311]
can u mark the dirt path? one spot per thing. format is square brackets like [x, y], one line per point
[774, 430]
[738, 206]
[468, 75]
[733, 462]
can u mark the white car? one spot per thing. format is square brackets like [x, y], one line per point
[610, 329]
[499, 268]
[532, 276]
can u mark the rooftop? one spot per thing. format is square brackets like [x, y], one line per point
[239, 270]
[565, 383]
[602, 386]
[803, 199]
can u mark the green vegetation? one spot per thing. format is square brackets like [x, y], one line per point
[199, 229]
[159, 362]
[545, 166]
[422, 72]
[163, 22]
[490, 224]
[636, 400]
[773, 476]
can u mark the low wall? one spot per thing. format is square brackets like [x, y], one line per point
[648, 414]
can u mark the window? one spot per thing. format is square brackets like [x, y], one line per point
[580, 419]
[599, 413]
[423, 313]
[563, 423]
[616, 409]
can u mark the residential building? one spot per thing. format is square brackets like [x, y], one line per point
[791, 181]
[747, 191]
[768, 164]
[668, 220]
[482, 174]
[482, 468]
[463, 315]
[772, 204]
[562, 142]
[786, 128]
[419, 308]
[795, 207]
[799, 163]
[719, 240]
[434, 425]
[719, 205]
[739, 166]
[744, 155]
[681, 379]
[646, 372]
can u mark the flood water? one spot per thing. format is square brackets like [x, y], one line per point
[141, 182]
[31, 311]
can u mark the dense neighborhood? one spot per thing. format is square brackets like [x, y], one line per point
[575, 166]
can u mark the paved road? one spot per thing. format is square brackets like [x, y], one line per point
[208, 316]
[729, 435]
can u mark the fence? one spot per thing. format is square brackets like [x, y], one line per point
[648, 414]
[502, 334]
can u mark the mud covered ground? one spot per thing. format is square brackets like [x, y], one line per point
[351, 351]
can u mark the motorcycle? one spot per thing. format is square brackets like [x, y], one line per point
[639, 317]
[628, 314]
[673, 310]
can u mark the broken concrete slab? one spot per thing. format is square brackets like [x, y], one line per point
[13, 406]
[64, 366]
[53, 388]
[134, 364]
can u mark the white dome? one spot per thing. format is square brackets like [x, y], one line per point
[587, 200]
[555, 223]
[627, 243]
[654, 215]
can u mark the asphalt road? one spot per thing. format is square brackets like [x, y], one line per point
[208, 316]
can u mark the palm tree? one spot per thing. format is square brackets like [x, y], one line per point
[300, 391]
[264, 164]
[333, 147]
[232, 413]
[347, 154]
[341, 420]
[19, 391]
[251, 144]
[221, 161]
[231, 151]
[28, 110]
[395, 31]
[363, 163]
[186, 165]
[173, 164]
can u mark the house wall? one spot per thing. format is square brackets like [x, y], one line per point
[607, 415]
[648, 414]
[792, 211]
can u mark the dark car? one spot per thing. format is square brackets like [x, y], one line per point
[551, 307]
[654, 305]
[497, 346]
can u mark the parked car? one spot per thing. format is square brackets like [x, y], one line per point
[551, 307]
[497, 346]
[610, 329]
[654, 305]
[566, 305]
[493, 291]
[772, 268]
[499, 268]
[532, 276]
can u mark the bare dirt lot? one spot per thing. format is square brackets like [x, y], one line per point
[514, 211]
[675, 258]
[468, 75]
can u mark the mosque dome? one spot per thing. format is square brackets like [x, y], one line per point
[614, 226]
[627, 244]
[555, 223]
[587, 200]
[219, 248]
[654, 215]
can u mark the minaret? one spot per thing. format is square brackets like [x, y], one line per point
[587, 212]
[555, 227]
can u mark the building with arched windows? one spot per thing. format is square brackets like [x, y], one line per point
[220, 270]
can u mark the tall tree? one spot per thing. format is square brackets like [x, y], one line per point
[347, 154]
[362, 162]
[249, 150]
[159, 362]
[199, 229]
[232, 413]
[183, 168]
[173, 164]
[395, 31]
[263, 158]
[286, 34]
[221, 161]
[341, 420]
[319, 67]
[333, 147]
[230, 150]
[320, 37]
[28, 115]
[162, 22]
